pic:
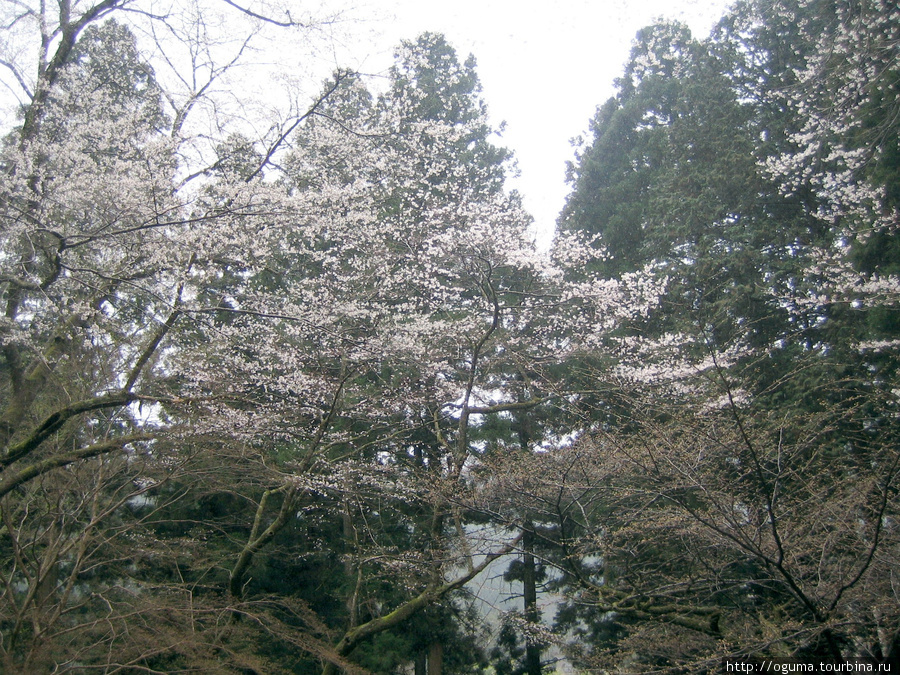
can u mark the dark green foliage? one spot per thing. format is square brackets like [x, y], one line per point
[429, 84]
[106, 76]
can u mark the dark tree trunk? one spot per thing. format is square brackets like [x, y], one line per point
[435, 658]
[529, 581]
[422, 663]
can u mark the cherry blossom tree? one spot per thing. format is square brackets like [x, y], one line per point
[111, 249]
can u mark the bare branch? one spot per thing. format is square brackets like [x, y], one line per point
[66, 458]
[289, 23]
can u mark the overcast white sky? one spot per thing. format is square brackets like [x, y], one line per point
[544, 66]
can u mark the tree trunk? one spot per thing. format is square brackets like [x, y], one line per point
[529, 592]
[421, 663]
[435, 658]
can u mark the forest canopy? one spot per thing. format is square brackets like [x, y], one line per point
[277, 387]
